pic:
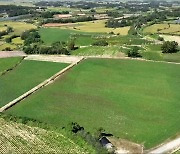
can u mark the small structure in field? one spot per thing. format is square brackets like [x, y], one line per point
[106, 143]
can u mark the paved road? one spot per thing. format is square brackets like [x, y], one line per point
[169, 147]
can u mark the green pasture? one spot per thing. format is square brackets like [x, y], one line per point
[24, 77]
[51, 35]
[98, 50]
[134, 100]
[8, 63]
[174, 57]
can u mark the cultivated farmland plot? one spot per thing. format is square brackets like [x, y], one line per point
[134, 100]
[24, 77]
[20, 138]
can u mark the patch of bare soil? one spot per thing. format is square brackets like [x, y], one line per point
[124, 147]
[54, 58]
[6, 54]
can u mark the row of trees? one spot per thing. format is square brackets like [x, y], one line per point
[69, 20]
[115, 23]
[34, 45]
[14, 10]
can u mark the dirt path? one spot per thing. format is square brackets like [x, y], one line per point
[54, 58]
[169, 147]
[6, 54]
[171, 38]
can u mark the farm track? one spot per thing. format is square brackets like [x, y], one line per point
[54, 58]
[6, 54]
[169, 147]
[41, 85]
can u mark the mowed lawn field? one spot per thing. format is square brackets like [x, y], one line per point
[8, 63]
[24, 77]
[131, 99]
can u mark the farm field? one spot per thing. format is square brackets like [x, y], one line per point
[99, 27]
[17, 41]
[18, 27]
[175, 57]
[163, 28]
[7, 45]
[7, 63]
[19, 138]
[139, 100]
[51, 35]
[24, 77]
[103, 51]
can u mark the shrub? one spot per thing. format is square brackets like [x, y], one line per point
[134, 52]
[160, 38]
[169, 47]
[100, 43]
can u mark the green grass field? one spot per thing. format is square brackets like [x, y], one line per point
[24, 77]
[175, 57]
[51, 35]
[135, 100]
[7, 63]
[97, 50]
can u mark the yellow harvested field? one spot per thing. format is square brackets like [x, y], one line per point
[7, 45]
[163, 28]
[18, 27]
[99, 27]
[154, 28]
[174, 28]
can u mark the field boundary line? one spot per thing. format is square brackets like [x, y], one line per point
[129, 58]
[12, 68]
[41, 85]
[167, 147]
